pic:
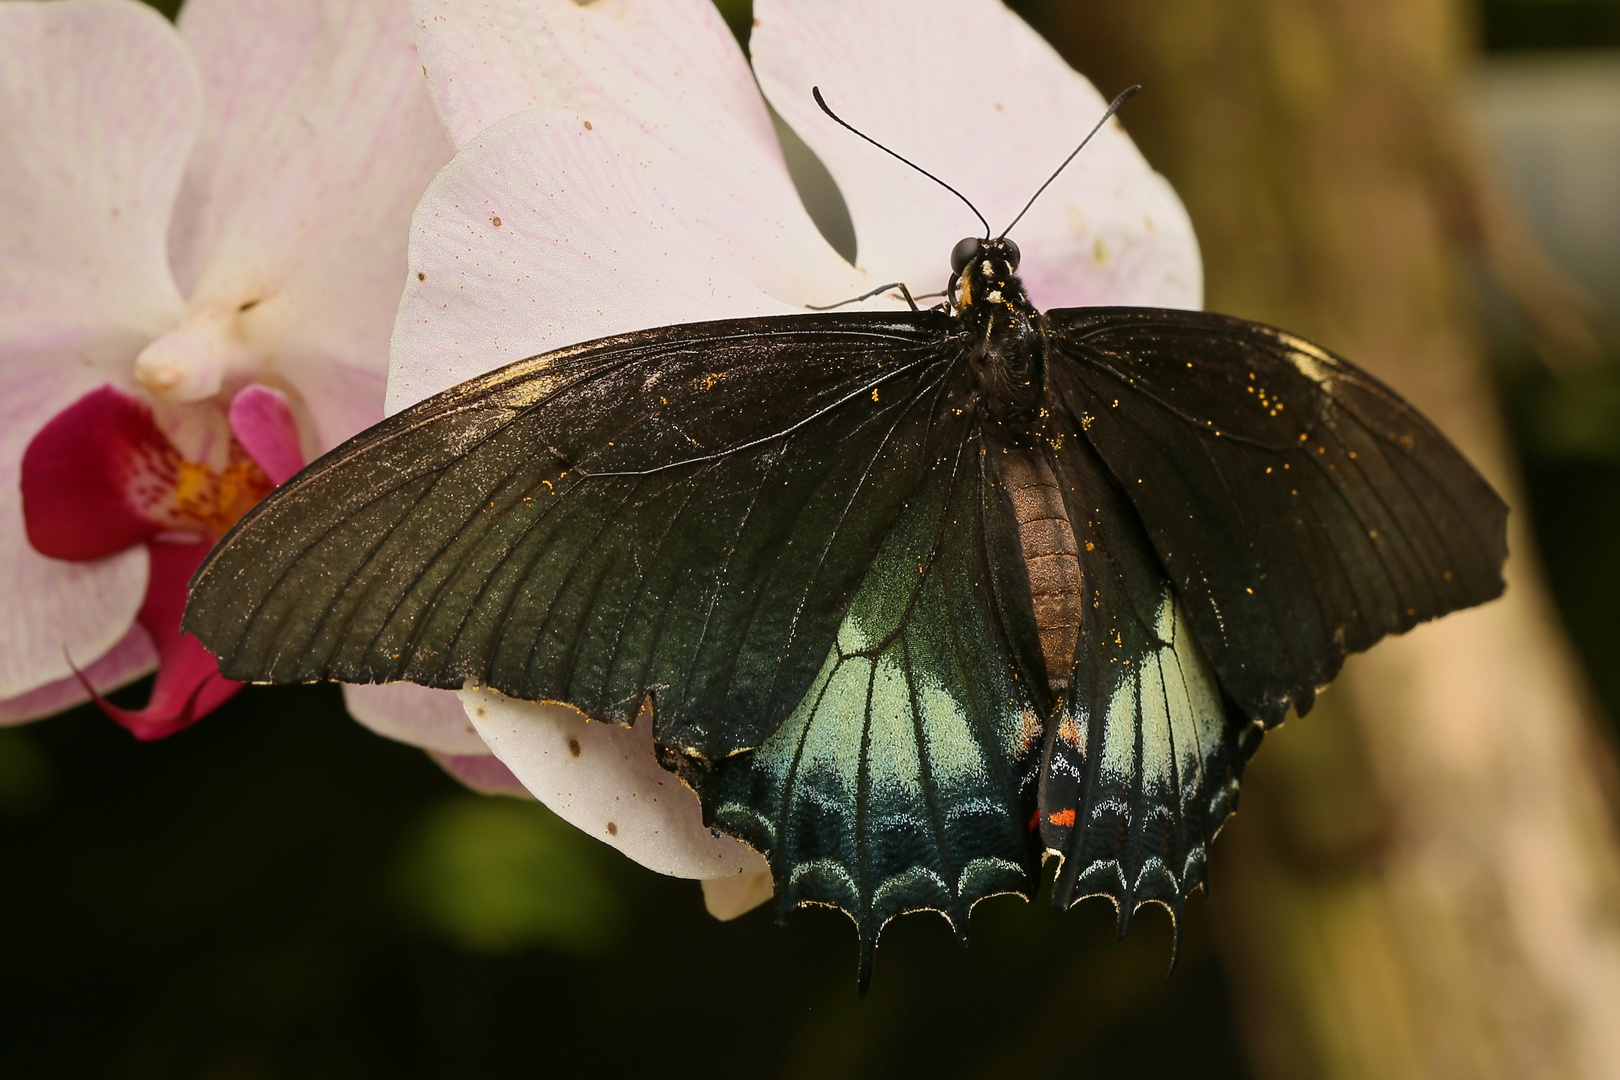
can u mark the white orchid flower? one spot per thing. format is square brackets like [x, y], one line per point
[617, 169]
[202, 239]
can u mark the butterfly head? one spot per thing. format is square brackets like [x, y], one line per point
[984, 276]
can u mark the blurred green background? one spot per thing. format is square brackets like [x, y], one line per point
[280, 893]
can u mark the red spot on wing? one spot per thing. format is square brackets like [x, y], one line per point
[1064, 819]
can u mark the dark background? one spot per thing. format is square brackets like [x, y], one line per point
[278, 892]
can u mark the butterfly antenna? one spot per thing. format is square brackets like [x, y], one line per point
[815, 91]
[1125, 95]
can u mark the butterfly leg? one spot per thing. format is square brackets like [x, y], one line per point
[905, 292]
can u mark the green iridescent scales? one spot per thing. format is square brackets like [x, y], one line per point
[904, 779]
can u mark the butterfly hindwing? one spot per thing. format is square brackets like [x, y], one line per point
[658, 513]
[1141, 762]
[1301, 509]
[905, 778]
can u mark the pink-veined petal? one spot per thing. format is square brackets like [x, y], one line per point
[483, 773]
[99, 103]
[313, 109]
[605, 780]
[55, 610]
[188, 685]
[739, 893]
[672, 68]
[419, 715]
[671, 64]
[318, 141]
[543, 233]
[125, 662]
[980, 100]
[264, 424]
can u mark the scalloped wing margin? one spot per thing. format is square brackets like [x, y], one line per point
[1141, 764]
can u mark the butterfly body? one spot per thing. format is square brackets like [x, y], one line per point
[1009, 360]
[920, 598]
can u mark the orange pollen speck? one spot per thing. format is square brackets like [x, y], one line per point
[216, 500]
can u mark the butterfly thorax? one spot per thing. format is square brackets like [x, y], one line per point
[1008, 340]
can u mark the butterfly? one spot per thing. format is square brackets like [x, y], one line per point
[920, 598]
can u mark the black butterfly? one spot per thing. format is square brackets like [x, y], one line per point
[920, 597]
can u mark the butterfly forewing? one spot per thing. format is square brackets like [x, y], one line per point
[1301, 509]
[683, 512]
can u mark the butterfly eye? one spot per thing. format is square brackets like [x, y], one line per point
[966, 250]
[1011, 251]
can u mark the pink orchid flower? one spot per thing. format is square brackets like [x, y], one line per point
[617, 169]
[202, 239]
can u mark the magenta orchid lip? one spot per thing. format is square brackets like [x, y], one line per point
[102, 477]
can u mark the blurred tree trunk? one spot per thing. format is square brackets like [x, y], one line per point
[1424, 880]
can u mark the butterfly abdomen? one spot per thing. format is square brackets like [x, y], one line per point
[1051, 555]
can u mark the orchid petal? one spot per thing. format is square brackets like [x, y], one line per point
[983, 102]
[673, 64]
[264, 424]
[319, 139]
[606, 781]
[99, 104]
[728, 897]
[484, 773]
[125, 662]
[188, 685]
[315, 108]
[55, 610]
[542, 233]
[98, 478]
[340, 399]
[672, 68]
[419, 715]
